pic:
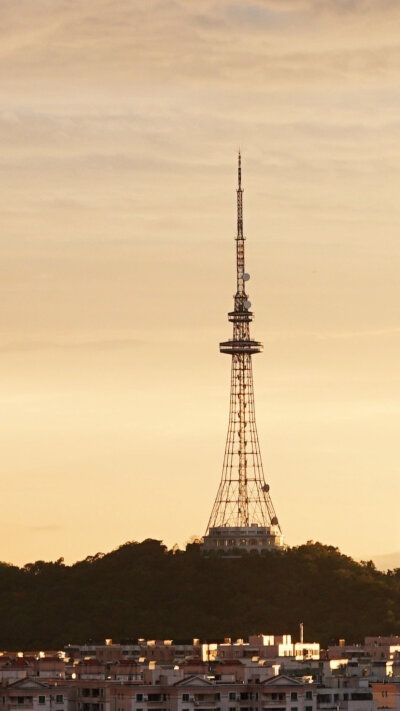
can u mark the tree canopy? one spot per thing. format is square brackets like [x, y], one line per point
[145, 590]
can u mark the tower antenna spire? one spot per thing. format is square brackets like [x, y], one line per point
[243, 516]
[239, 198]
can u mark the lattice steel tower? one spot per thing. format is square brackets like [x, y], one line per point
[243, 515]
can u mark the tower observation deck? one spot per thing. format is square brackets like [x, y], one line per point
[243, 516]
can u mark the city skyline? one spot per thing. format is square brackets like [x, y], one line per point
[120, 127]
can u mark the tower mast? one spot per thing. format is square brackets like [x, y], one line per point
[243, 515]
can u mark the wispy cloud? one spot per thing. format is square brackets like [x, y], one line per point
[46, 528]
[334, 335]
[178, 41]
[89, 344]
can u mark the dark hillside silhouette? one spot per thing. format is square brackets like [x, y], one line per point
[145, 590]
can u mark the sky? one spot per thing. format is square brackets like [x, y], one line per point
[120, 122]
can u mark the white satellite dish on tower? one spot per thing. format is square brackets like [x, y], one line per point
[246, 277]
[247, 304]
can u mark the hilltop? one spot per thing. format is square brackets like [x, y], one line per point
[144, 590]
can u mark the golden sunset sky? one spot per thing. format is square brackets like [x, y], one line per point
[120, 122]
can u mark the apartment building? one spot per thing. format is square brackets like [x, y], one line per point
[31, 694]
[159, 688]
[267, 647]
[387, 694]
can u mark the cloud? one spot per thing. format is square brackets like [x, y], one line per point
[264, 41]
[330, 7]
[92, 344]
[46, 528]
[294, 334]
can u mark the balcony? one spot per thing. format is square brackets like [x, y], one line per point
[275, 700]
[208, 702]
[93, 693]
[90, 706]
[155, 699]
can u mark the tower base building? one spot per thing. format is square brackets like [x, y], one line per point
[253, 539]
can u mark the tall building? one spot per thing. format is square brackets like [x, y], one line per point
[243, 516]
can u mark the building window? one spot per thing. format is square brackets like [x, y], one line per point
[232, 708]
[185, 697]
[308, 708]
[293, 696]
[42, 699]
[232, 696]
[308, 694]
[139, 697]
[59, 698]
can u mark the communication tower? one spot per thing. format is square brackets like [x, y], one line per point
[243, 516]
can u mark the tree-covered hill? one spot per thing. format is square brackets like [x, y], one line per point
[145, 590]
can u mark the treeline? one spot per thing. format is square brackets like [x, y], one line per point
[145, 590]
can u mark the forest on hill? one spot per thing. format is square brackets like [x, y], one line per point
[145, 590]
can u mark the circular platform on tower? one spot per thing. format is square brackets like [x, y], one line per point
[233, 539]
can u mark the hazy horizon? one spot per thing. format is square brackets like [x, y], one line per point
[383, 563]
